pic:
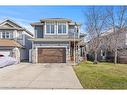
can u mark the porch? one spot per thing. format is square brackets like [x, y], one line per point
[76, 51]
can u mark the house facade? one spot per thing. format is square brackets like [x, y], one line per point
[108, 43]
[57, 40]
[14, 40]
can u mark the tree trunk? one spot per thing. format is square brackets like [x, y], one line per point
[85, 55]
[95, 59]
[115, 59]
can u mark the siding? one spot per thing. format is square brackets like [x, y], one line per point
[39, 32]
[51, 44]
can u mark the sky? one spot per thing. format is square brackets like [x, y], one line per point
[24, 15]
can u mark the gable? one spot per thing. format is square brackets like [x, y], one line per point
[13, 24]
[9, 24]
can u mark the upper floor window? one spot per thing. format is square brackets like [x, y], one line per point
[54, 28]
[62, 28]
[50, 28]
[6, 34]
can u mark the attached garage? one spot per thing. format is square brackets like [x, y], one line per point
[51, 55]
[11, 48]
[5, 52]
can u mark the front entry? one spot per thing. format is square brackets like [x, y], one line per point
[51, 55]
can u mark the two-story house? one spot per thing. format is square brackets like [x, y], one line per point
[57, 40]
[14, 40]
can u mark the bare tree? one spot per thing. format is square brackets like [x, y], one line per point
[95, 25]
[117, 20]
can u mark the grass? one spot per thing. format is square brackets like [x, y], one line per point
[102, 75]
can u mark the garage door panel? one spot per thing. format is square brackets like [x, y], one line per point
[50, 51]
[51, 60]
[51, 55]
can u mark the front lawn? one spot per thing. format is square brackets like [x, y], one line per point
[102, 75]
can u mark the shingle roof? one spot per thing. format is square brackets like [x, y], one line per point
[36, 23]
[70, 22]
[56, 19]
[9, 43]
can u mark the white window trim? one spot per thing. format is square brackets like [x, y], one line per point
[50, 27]
[6, 34]
[66, 29]
[56, 29]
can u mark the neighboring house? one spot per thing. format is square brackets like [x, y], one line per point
[55, 39]
[107, 45]
[14, 40]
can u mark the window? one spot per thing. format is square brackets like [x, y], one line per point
[55, 27]
[50, 28]
[3, 35]
[61, 28]
[6, 35]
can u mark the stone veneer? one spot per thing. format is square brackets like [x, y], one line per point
[50, 44]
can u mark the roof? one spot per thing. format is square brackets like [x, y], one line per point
[36, 23]
[53, 40]
[11, 21]
[56, 19]
[70, 22]
[73, 23]
[9, 43]
[12, 24]
[107, 32]
[10, 28]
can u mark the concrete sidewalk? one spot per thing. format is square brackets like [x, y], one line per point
[39, 76]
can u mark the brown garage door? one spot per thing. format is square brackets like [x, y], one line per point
[51, 55]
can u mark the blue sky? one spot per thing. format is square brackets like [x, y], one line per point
[24, 15]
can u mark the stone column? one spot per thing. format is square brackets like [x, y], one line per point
[16, 54]
[34, 57]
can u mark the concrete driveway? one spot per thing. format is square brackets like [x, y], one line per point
[45, 76]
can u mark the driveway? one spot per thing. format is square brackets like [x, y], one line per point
[45, 76]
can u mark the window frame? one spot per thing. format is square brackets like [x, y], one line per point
[50, 24]
[5, 33]
[62, 23]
